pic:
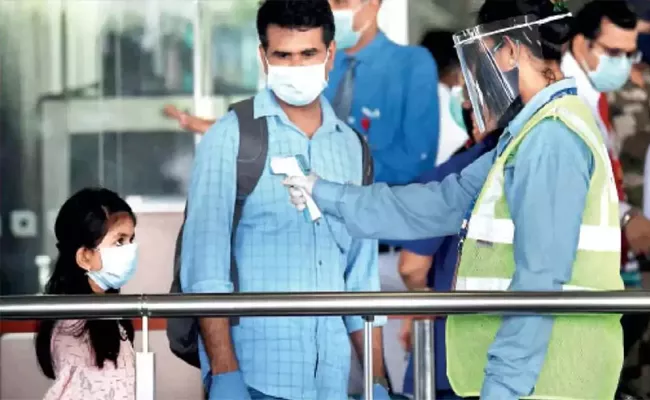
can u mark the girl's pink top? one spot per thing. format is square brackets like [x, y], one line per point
[77, 376]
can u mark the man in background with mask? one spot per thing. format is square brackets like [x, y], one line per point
[600, 57]
[386, 91]
[631, 115]
[277, 250]
[631, 111]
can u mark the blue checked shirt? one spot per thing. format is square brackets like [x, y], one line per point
[277, 250]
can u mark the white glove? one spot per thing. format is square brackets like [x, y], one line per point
[299, 186]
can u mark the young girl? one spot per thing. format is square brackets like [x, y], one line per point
[90, 359]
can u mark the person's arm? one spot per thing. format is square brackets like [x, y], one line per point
[206, 249]
[414, 268]
[362, 275]
[188, 122]
[416, 143]
[546, 193]
[416, 260]
[410, 212]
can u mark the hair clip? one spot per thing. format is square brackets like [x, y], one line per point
[560, 6]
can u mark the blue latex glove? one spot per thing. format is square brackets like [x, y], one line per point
[228, 386]
[379, 392]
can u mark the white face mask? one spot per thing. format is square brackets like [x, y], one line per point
[297, 85]
[118, 266]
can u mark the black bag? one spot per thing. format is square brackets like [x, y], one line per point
[251, 159]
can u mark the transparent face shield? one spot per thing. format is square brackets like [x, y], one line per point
[489, 55]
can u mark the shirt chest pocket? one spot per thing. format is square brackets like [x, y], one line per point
[269, 208]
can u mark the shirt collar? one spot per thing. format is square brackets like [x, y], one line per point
[369, 51]
[538, 101]
[266, 105]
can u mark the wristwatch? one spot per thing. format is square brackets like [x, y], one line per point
[627, 217]
[380, 380]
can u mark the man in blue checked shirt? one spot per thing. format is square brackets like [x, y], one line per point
[277, 250]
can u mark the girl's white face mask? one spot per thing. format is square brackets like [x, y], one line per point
[118, 266]
[297, 85]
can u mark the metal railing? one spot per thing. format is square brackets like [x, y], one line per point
[321, 304]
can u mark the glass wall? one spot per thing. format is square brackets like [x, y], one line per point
[82, 87]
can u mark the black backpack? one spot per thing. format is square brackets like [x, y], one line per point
[251, 159]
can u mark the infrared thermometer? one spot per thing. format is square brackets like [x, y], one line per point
[297, 166]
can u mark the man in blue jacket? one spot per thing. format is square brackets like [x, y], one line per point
[386, 91]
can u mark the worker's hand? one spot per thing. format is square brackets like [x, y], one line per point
[379, 392]
[637, 232]
[406, 333]
[230, 385]
[297, 186]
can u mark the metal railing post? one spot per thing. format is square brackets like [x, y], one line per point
[424, 360]
[145, 386]
[367, 358]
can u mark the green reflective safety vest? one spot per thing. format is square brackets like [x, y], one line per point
[585, 354]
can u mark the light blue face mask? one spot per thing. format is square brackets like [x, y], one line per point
[456, 106]
[345, 35]
[118, 266]
[612, 73]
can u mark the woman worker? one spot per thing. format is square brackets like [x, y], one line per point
[538, 213]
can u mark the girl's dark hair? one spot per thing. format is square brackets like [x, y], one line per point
[83, 221]
[553, 35]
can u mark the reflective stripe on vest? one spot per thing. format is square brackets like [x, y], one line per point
[499, 285]
[500, 230]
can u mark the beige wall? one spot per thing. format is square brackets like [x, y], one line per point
[156, 235]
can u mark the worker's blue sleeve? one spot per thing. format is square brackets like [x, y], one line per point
[416, 211]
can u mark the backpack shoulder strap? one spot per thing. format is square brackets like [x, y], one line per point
[251, 159]
[368, 168]
[253, 147]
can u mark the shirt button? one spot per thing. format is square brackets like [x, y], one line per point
[351, 120]
[320, 262]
